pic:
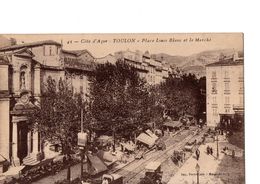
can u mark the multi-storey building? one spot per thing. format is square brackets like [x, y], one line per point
[24, 69]
[106, 59]
[149, 68]
[225, 92]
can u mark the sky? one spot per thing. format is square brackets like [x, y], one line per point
[173, 44]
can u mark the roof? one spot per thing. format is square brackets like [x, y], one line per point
[78, 65]
[33, 44]
[77, 52]
[227, 63]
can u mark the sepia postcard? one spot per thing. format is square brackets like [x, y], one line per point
[140, 108]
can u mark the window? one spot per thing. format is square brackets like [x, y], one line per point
[214, 74]
[50, 51]
[227, 87]
[214, 87]
[226, 75]
[214, 100]
[227, 100]
[215, 112]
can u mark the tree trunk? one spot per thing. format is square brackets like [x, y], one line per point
[68, 172]
[114, 138]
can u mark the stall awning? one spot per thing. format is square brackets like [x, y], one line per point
[151, 134]
[97, 164]
[146, 139]
[172, 124]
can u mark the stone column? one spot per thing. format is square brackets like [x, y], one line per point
[16, 160]
[35, 143]
[37, 81]
[29, 139]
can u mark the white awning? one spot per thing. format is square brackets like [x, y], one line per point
[146, 139]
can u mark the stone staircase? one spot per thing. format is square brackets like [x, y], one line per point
[30, 160]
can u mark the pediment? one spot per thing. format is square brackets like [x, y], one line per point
[24, 52]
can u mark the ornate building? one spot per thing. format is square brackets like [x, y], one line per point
[24, 69]
[225, 92]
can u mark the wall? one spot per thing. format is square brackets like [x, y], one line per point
[4, 77]
[44, 57]
[4, 127]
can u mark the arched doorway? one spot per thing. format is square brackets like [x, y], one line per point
[22, 130]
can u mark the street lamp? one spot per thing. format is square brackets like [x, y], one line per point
[198, 171]
[217, 147]
[82, 141]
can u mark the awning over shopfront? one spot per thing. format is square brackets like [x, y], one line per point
[97, 164]
[146, 139]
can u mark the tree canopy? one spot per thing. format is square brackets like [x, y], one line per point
[119, 98]
[58, 117]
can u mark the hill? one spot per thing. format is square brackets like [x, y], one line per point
[196, 63]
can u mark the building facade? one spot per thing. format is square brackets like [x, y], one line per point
[24, 69]
[225, 93]
[152, 70]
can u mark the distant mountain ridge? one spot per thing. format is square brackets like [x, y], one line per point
[196, 63]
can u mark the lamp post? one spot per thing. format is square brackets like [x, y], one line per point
[82, 140]
[217, 147]
[198, 171]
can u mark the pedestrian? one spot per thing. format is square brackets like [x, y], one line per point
[197, 154]
[233, 153]
[211, 150]
[208, 150]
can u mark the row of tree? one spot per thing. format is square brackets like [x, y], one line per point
[119, 103]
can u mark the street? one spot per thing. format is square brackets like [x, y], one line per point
[136, 170]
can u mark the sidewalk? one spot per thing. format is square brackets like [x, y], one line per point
[209, 167]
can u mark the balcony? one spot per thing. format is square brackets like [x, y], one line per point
[238, 107]
[227, 92]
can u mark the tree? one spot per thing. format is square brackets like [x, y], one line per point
[57, 119]
[119, 99]
[181, 96]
